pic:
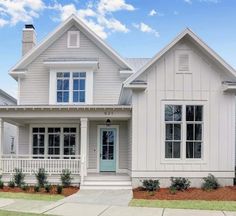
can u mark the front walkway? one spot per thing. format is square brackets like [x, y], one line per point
[67, 207]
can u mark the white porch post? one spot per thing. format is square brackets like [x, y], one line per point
[84, 146]
[1, 141]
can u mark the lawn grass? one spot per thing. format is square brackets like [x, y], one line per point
[186, 204]
[11, 213]
[29, 196]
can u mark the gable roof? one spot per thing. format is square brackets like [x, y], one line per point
[8, 97]
[60, 30]
[198, 41]
[137, 63]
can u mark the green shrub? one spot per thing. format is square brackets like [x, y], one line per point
[48, 188]
[18, 177]
[179, 183]
[41, 177]
[24, 187]
[151, 185]
[1, 184]
[172, 190]
[210, 183]
[11, 184]
[66, 178]
[59, 189]
[36, 188]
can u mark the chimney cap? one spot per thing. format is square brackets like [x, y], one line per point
[29, 26]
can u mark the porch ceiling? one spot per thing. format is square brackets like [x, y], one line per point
[59, 113]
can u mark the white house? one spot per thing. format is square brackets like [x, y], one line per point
[113, 121]
[10, 131]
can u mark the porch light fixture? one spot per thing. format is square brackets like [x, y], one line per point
[108, 122]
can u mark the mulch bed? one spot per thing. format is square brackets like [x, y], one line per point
[223, 194]
[65, 191]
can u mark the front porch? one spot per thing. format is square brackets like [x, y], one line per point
[77, 138]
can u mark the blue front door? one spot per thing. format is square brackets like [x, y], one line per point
[108, 149]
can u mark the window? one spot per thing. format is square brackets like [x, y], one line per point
[38, 141]
[193, 131]
[69, 141]
[173, 118]
[79, 87]
[71, 87]
[73, 39]
[183, 126]
[54, 141]
[63, 84]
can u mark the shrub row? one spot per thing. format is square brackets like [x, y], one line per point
[41, 177]
[181, 184]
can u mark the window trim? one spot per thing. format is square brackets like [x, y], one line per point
[88, 86]
[205, 131]
[61, 126]
[69, 37]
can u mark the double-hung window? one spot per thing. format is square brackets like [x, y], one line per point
[71, 87]
[194, 131]
[63, 87]
[183, 131]
[69, 141]
[38, 141]
[54, 141]
[173, 121]
[79, 87]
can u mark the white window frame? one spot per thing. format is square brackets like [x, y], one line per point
[88, 86]
[205, 131]
[77, 33]
[183, 52]
[46, 126]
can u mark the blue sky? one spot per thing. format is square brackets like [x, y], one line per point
[134, 28]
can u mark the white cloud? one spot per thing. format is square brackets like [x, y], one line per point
[152, 13]
[15, 11]
[3, 22]
[188, 1]
[106, 6]
[97, 16]
[146, 29]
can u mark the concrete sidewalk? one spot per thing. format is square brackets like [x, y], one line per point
[74, 208]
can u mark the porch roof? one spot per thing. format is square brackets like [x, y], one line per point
[22, 114]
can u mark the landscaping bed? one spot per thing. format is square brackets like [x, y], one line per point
[220, 194]
[67, 191]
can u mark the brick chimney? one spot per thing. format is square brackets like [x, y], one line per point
[28, 38]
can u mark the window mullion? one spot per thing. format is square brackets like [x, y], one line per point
[71, 88]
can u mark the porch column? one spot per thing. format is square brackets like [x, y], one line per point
[1, 141]
[84, 146]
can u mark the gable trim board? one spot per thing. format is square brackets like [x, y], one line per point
[204, 46]
[60, 30]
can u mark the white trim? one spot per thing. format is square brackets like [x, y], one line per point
[99, 127]
[178, 173]
[46, 126]
[88, 86]
[204, 46]
[205, 139]
[69, 33]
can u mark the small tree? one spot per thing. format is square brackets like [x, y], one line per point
[41, 177]
[19, 177]
[66, 178]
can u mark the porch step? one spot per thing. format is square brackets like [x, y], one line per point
[107, 182]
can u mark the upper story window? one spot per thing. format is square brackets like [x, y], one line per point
[79, 87]
[183, 131]
[71, 87]
[63, 84]
[73, 40]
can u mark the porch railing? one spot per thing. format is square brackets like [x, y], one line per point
[30, 164]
